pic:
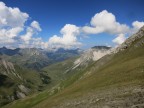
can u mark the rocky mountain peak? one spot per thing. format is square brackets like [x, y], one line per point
[92, 54]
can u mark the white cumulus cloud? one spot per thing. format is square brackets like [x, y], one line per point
[31, 30]
[12, 17]
[68, 39]
[10, 33]
[36, 25]
[119, 39]
[27, 37]
[11, 23]
[7, 35]
[137, 24]
[105, 22]
[13, 31]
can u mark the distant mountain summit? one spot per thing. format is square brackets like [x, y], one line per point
[9, 52]
[101, 47]
[36, 58]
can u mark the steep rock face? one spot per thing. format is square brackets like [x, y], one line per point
[91, 55]
[7, 68]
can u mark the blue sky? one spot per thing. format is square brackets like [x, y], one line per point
[53, 15]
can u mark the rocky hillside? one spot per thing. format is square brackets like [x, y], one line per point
[9, 77]
[17, 82]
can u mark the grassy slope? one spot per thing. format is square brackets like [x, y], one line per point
[125, 69]
[57, 71]
[57, 74]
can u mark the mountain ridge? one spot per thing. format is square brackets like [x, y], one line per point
[114, 79]
[35, 58]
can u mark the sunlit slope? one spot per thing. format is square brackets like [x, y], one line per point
[118, 82]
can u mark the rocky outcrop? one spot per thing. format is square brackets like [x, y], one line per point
[91, 55]
[24, 89]
[7, 68]
[20, 95]
[136, 40]
[11, 79]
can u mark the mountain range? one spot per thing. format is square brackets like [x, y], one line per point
[100, 77]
